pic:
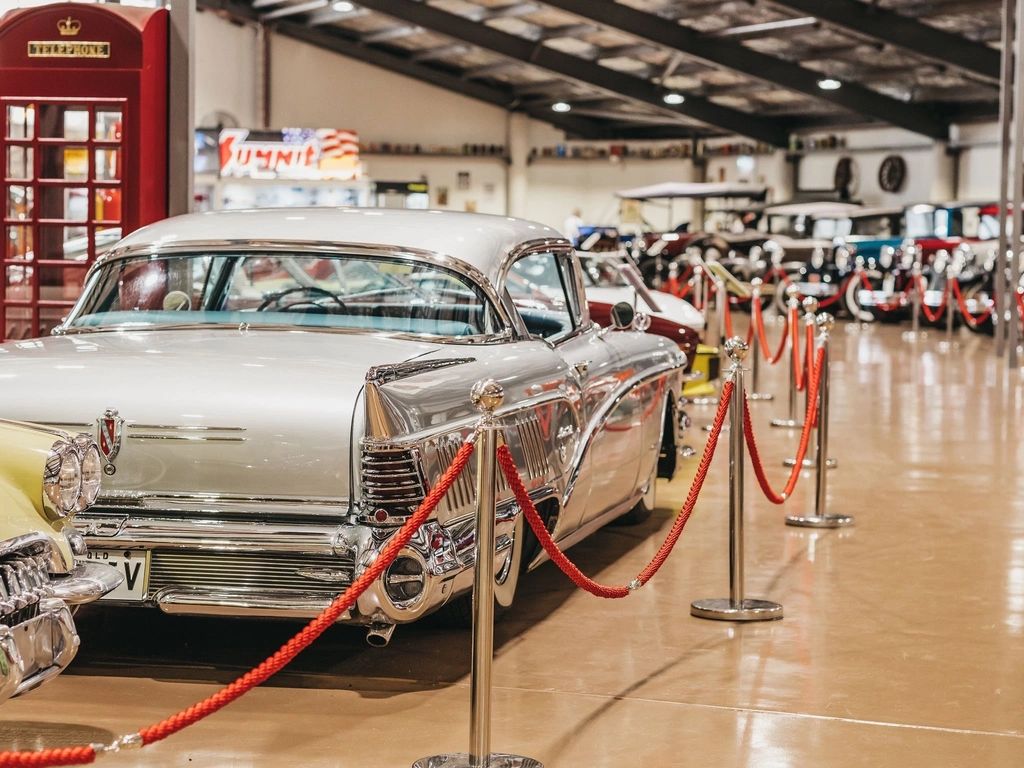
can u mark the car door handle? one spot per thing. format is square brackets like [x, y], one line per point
[582, 367]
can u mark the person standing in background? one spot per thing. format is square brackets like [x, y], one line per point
[571, 228]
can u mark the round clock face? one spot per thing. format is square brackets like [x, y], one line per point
[892, 173]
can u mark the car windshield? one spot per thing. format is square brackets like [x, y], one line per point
[882, 225]
[285, 289]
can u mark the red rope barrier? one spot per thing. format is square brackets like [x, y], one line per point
[809, 419]
[48, 757]
[801, 369]
[972, 320]
[758, 319]
[1020, 301]
[929, 316]
[559, 558]
[274, 664]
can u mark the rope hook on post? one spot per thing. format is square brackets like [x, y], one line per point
[487, 395]
[736, 607]
[793, 306]
[755, 343]
[821, 519]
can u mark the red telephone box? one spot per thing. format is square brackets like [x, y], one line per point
[83, 98]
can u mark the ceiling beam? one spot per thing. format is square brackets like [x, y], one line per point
[573, 67]
[903, 32]
[334, 40]
[735, 56]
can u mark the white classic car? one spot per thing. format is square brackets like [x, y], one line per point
[274, 392]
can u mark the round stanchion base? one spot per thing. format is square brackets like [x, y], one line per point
[787, 424]
[761, 396]
[914, 336]
[722, 609]
[463, 760]
[825, 521]
[947, 346]
[810, 463]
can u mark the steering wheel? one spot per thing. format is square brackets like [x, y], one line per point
[276, 298]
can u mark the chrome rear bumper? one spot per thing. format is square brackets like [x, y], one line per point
[36, 650]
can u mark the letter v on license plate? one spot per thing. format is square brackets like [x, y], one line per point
[132, 564]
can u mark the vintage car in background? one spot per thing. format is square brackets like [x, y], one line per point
[931, 230]
[654, 248]
[283, 386]
[46, 478]
[610, 279]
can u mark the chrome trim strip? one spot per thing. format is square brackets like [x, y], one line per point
[185, 428]
[212, 535]
[190, 438]
[139, 498]
[385, 374]
[177, 600]
[42, 426]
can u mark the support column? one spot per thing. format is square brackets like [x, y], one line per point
[1005, 115]
[700, 175]
[944, 182]
[519, 156]
[181, 107]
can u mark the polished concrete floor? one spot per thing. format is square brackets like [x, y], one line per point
[902, 642]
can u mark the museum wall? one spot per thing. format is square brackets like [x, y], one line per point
[361, 97]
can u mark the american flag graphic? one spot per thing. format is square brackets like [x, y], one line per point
[334, 143]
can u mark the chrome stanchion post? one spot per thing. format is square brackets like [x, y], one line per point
[794, 351]
[700, 288]
[755, 347]
[949, 344]
[736, 607]
[821, 519]
[487, 395]
[915, 306]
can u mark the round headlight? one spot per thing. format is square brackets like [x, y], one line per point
[92, 476]
[62, 478]
[70, 481]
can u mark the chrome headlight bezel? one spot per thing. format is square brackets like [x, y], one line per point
[66, 490]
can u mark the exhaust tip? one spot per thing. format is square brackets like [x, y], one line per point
[379, 635]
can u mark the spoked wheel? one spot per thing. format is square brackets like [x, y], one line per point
[780, 298]
[852, 298]
[655, 272]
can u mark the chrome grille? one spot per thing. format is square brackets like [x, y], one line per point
[534, 451]
[391, 480]
[264, 573]
[24, 581]
[461, 497]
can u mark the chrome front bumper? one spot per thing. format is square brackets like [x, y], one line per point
[36, 650]
[191, 562]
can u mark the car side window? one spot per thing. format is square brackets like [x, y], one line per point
[538, 286]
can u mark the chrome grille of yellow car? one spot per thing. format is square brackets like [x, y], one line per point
[392, 484]
[24, 581]
[316, 575]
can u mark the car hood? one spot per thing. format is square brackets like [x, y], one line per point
[249, 414]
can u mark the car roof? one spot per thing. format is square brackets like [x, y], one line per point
[480, 240]
[820, 209]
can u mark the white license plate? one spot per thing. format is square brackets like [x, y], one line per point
[133, 564]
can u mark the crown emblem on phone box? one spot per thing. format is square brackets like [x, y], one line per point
[69, 26]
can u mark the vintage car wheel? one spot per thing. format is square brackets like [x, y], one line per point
[641, 513]
[852, 299]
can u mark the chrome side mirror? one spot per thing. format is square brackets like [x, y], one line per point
[623, 316]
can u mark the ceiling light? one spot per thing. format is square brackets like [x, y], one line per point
[673, 98]
[343, 6]
[560, 106]
[829, 84]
